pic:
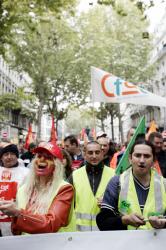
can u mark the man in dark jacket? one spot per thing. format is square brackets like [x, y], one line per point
[157, 140]
[28, 156]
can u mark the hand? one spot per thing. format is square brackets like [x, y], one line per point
[157, 222]
[9, 208]
[133, 220]
[99, 201]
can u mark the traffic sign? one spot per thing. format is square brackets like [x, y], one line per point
[4, 134]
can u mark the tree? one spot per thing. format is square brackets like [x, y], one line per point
[46, 57]
[77, 119]
[22, 11]
[57, 53]
[101, 114]
[18, 102]
[116, 4]
[117, 46]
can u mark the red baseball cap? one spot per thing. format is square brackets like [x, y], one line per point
[49, 147]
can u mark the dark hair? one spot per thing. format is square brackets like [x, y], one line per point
[153, 135]
[32, 145]
[143, 142]
[112, 149]
[68, 167]
[72, 139]
[91, 143]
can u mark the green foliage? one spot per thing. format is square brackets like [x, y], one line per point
[107, 2]
[116, 47]
[141, 5]
[10, 101]
[22, 11]
[48, 56]
[57, 51]
[18, 101]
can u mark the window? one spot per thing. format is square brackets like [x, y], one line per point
[15, 119]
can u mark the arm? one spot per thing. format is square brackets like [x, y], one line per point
[109, 218]
[56, 217]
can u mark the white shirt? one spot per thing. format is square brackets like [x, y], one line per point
[9, 178]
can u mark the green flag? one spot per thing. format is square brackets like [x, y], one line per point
[124, 162]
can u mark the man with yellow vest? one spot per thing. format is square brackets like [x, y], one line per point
[44, 204]
[90, 182]
[137, 198]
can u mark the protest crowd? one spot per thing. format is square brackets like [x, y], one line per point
[98, 185]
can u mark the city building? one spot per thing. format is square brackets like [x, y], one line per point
[157, 84]
[159, 58]
[15, 127]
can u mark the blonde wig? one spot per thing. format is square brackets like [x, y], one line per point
[43, 192]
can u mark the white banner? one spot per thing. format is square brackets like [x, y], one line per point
[109, 88]
[111, 240]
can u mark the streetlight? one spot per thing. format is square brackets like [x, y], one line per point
[145, 35]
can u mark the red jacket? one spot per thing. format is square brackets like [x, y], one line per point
[51, 222]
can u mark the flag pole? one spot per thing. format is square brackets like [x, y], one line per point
[94, 119]
[93, 106]
[164, 118]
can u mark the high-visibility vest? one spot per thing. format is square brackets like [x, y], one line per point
[86, 207]
[128, 201]
[21, 202]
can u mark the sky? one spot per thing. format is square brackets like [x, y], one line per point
[155, 13]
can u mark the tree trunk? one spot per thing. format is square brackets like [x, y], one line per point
[102, 124]
[121, 129]
[112, 127]
[120, 125]
[39, 117]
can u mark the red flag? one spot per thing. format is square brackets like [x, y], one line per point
[82, 133]
[85, 139]
[53, 137]
[93, 133]
[29, 137]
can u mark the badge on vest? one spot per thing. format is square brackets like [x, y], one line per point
[154, 214]
[125, 207]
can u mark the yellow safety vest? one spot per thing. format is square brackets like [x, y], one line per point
[21, 202]
[128, 201]
[86, 207]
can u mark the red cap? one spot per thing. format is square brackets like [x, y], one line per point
[49, 147]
